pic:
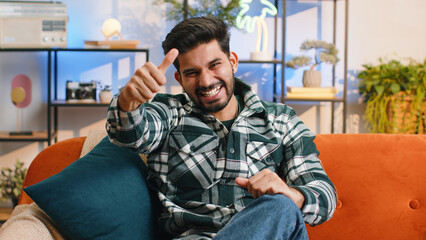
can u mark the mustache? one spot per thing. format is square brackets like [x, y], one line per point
[215, 85]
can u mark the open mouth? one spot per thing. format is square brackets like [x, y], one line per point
[211, 92]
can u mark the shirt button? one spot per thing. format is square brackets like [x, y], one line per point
[232, 150]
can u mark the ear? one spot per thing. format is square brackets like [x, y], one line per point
[233, 58]
[177, 77]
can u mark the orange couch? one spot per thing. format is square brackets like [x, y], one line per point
[380, 179]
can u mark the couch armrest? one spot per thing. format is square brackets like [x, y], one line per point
[51, 161]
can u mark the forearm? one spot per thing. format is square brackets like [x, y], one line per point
[304, 171]
[297, 197]
[129, 129]
[309, 177]
[320, 201]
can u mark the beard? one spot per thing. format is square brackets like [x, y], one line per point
[215, 105]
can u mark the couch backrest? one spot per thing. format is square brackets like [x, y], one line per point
[380, 180]
[381, 185]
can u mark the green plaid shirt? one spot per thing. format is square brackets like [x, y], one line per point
[194, 160]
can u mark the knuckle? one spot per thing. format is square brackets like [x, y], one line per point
[149, 95]
[150, 65]
[155, 88]
[139, 71]
[162, 80]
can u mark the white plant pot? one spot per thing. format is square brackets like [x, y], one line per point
[311, 78]
[261, 56]
[105, 96]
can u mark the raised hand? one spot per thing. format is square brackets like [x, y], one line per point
[145, 83]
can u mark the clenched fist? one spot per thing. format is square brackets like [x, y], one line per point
[268, 182]
[145, 83]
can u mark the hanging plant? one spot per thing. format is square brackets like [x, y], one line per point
[391, 89]
[227, 11]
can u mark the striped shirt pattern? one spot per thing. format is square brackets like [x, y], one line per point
[194, 160]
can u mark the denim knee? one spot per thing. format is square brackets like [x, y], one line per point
[280, 203]
[274, 217]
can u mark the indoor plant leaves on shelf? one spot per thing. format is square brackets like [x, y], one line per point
[395, 96]
[324, 52]
[224, 10]
[11, 182]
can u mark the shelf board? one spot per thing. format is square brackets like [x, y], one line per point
[40, 136]
[72, 50]
[285, 99]
[25, 49]
[64, 103]
[5, 214]
[100, 50]
[276, 61]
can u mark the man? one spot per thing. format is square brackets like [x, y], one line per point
[224, 163]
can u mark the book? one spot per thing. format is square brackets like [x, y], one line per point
[312, 90]
[112, 44]
[313, 95]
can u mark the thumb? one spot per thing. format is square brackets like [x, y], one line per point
[168, 60]
[242, 182]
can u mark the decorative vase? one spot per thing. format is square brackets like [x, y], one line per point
[311, 78]
[105, 95]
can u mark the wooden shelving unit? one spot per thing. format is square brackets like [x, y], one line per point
[281, 97]
[53, 103]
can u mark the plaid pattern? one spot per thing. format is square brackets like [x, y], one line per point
[194, 160]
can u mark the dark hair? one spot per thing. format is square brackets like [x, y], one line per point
[195, 31]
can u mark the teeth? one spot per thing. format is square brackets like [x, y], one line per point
[212, 92]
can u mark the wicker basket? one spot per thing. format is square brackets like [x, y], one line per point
[403, 117]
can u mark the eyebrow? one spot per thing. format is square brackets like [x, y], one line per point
[193, 69]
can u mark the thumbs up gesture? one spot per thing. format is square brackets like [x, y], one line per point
[145, 83]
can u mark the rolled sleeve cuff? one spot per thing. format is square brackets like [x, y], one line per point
[310, 209]
[125, 120]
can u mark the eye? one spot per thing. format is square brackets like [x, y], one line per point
[190, 74]
[214, 64]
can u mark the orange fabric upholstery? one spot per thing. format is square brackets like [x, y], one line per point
[380, 180]
[381, 186]
[51, 161]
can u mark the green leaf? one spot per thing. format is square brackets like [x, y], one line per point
[368, 85]
[395, 88]
[379, 89]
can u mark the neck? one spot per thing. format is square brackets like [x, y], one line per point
[229, 112]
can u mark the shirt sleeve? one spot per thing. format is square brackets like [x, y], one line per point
[141, 130]
[303, 170]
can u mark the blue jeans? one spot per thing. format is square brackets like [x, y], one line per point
[267, 218]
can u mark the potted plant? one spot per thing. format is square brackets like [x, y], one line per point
[324, 52]
[105, 95]
[181, 9]
[395, 96]
[11, 182]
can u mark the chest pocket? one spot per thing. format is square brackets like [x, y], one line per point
[262, 155]
[192, 159]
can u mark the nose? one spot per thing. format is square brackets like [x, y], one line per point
[206, 79]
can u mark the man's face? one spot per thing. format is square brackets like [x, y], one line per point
[207, 76]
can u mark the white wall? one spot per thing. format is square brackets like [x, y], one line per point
[377, 28]
[386, 29]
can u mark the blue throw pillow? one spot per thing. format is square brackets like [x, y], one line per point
[103, 195]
